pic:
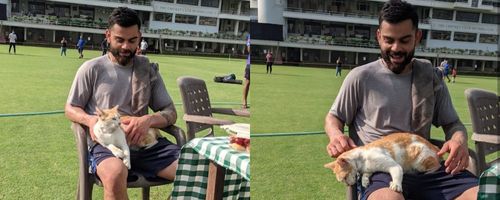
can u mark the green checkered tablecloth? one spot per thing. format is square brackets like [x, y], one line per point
[489, 184]
[192, 173]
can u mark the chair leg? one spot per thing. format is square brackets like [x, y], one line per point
[145, 193]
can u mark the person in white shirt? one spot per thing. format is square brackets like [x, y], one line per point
[144, 46]
[12, 41]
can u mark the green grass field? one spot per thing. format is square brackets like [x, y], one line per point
[296, 99]
[38, 155]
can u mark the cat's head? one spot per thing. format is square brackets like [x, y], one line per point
[109, 118]
[344, 170]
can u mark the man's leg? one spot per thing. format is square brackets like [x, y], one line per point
[471, 193]
[113, 175]
[271, 68]
[10, 47]
[246, 87]
[169, 172]
[385, 194]
[14, 44]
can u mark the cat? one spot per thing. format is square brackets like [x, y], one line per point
[395, 154]
[110, 134]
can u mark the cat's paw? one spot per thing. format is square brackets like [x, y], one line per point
[396, 186]
[127, 163]
[365, 181]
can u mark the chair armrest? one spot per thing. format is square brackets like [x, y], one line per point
[82, 150]
[230, 111]
[487, 138]
[177, 132]
[206, 120]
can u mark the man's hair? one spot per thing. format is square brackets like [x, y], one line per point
[125, 17]
[395, 11]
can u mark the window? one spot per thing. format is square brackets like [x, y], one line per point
[188, 2]
[185, 19]
[61, 11]
[36, 8]
[467, 16]
[363, 6]
[489, 39]
[208, 21]
[15, 5]
[442, 14]
[490, 19]
[210, 3]
[465, 37]
[169, 1]
[164, 17]
[441, 35]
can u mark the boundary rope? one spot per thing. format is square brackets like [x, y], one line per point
[62, 111]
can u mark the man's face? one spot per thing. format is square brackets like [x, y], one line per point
[397, 44]
[123, 42]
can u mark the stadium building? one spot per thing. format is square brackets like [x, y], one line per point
[465, 32]
[185, 26]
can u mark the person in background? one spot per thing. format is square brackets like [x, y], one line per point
[64, 46]
[269, 62]
[338, 67]
[246, 84]
[80, 45]
[12, 41]
[144, 46]
[104, 46]
[454, 73]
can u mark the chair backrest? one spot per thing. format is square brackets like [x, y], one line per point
[485, 117]
[195, 101]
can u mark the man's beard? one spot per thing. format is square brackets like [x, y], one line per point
[397, 68]
[122, 60]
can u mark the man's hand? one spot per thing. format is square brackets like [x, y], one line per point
[458, 159]
[91, 123]
[339, 143]
[136, 128]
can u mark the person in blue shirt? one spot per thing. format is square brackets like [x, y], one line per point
[80, 45]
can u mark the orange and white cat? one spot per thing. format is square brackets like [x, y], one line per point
[395, 154]
[110, 134]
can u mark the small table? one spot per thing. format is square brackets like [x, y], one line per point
[209, 169]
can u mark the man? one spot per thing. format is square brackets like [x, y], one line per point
[246, 84]
[80, 45]
[64, 45]
[144, 46]
[400, 94]
[131, 82]
[12, 41]
[269, 62]
[104, 46]
[338, 68]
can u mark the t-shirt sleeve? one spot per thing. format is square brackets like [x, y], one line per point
[81, 89]
[159, 95]
[444, 112]
[346, 104]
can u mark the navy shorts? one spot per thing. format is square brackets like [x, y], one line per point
[247, 72]
[147, 162]
[437, 185]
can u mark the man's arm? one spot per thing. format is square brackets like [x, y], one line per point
[78, 115]
[339, 143]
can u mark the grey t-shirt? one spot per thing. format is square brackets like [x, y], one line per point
[375, 102]
[102, 83]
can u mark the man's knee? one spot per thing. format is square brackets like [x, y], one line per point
[471, 193]
[386, 194]
[112, 171]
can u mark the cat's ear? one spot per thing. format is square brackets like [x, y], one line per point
[330, 165]
[342, 162]
[115, 108]
[98, 111]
